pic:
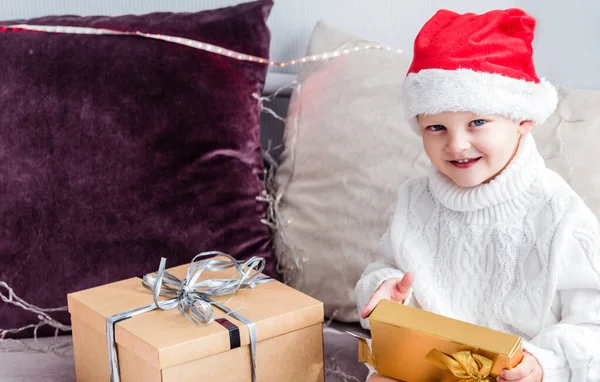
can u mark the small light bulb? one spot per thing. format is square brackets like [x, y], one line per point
[282, 64]
[293, 62]
[304, 60]
[250, 58]
[219, 50]
[367, 46]
[261, 60]
[356, 48]
[346, 51]
[271, 63]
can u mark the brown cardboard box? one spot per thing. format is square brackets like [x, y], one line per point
[164, 346]
[403, 336]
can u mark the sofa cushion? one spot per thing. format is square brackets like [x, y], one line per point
[116, 151]
[347, 148]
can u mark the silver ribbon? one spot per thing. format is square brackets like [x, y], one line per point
[193, 297]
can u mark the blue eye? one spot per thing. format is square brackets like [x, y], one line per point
[436, 128]
[477, 122]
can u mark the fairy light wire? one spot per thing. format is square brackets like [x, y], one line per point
[215, 49]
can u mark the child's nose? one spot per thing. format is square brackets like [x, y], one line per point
[457, 143]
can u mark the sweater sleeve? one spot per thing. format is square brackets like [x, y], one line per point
[375, 274]
[386, 267]
[570, 349]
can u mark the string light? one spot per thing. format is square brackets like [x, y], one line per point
[199, 44]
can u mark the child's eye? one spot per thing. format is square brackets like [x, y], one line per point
[477, 122]
[436, 128]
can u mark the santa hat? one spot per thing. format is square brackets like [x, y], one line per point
[477, 63]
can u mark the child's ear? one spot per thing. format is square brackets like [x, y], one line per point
[525, 127]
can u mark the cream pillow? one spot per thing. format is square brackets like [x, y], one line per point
[570, 144]
[352, 149]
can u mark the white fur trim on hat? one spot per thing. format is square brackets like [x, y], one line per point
[434, 91]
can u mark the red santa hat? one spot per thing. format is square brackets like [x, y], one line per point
[477, 63]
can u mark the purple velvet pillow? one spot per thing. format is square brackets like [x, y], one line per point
[117, 150]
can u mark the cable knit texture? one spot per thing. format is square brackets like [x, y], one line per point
[520, 254]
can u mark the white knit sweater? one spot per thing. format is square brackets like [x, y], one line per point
[520, 254]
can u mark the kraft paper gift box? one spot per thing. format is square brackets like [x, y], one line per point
[411, 344]
[165, 346]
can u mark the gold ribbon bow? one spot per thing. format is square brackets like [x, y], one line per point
[464, 365]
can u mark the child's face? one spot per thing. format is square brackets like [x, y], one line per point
[471, 149]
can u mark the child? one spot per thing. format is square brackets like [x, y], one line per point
[491, 236]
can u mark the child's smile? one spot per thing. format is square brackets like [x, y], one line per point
[465, 162]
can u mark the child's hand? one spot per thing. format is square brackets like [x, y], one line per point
[529, 370]
[396, 290]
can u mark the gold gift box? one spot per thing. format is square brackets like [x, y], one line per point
[164, 346]
[411, 344]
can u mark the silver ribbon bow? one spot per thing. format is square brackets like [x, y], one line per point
[193, 297]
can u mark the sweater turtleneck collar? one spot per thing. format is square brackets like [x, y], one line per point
[511, 183]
